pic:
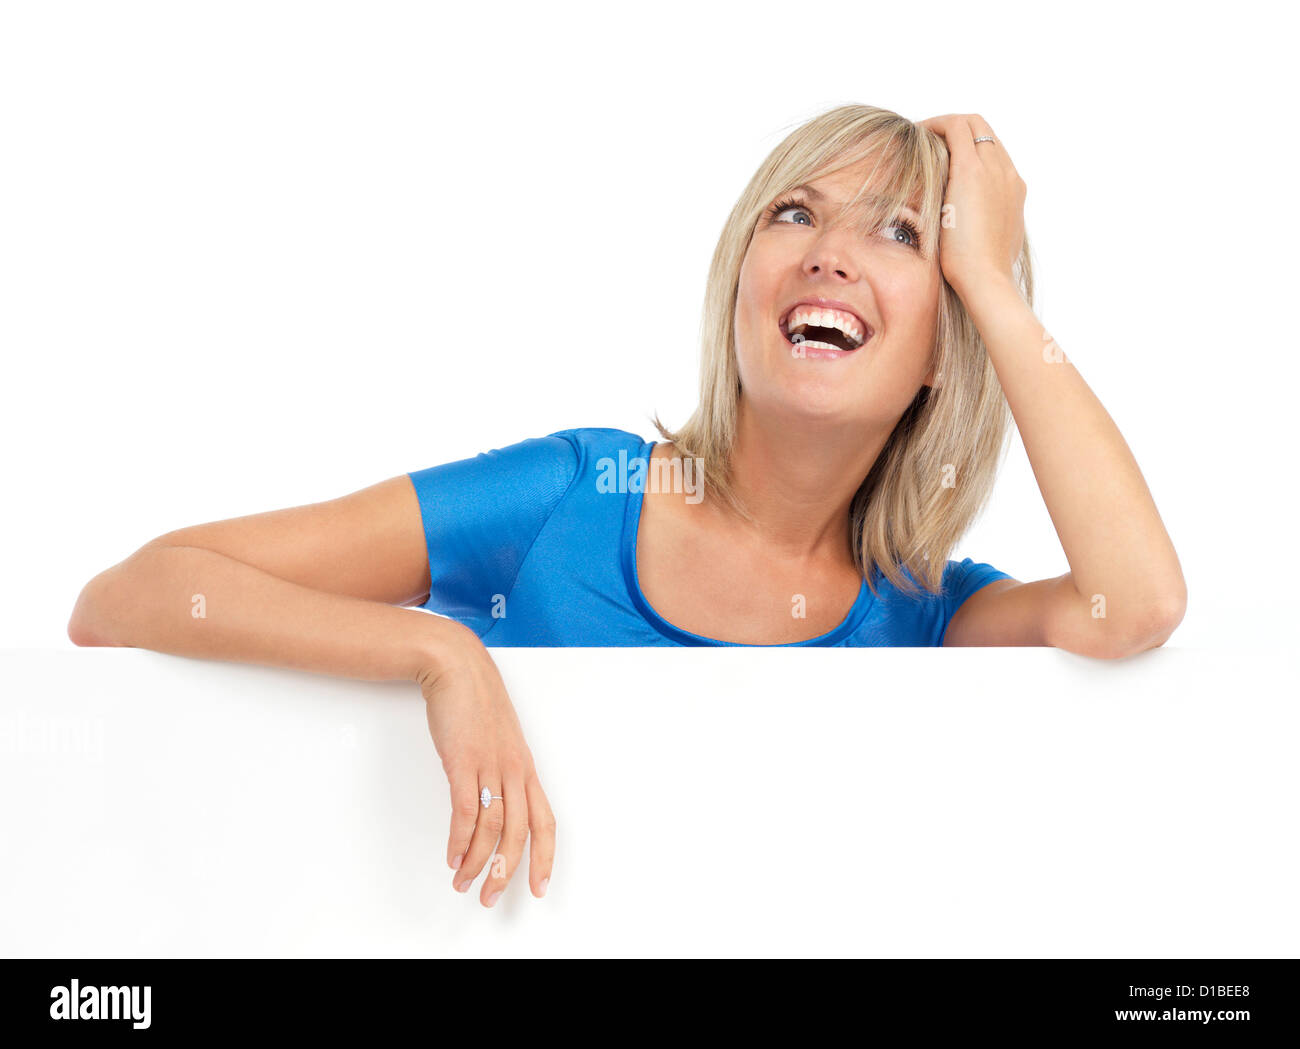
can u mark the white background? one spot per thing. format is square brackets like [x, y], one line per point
[254, 255]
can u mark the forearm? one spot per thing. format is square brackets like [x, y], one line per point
[194, 602]
[1103, 512]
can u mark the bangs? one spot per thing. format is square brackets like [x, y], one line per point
[903, 171]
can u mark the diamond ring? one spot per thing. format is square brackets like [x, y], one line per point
[487, 797]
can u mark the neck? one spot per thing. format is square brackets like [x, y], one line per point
[798, 482]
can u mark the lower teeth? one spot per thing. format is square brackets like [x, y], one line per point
[814, 344]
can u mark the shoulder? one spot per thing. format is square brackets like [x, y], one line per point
[594, 442]
[483, 515]
[962, 578]
[921, 618]
[529, 476]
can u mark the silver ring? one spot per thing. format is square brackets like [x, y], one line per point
[487, 797]
[986, 138]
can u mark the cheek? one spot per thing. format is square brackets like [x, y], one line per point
[749, 291]
[754, 293]
[911, 307]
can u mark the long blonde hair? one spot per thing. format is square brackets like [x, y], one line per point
[937, 468]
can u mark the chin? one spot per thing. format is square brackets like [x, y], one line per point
[815, 402]
[805, 391]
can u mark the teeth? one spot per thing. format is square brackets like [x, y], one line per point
[809, 316]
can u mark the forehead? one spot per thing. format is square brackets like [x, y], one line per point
[837, 190]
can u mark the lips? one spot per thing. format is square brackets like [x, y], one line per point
[827, 324]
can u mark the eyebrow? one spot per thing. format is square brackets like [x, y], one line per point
[819, 196]
[814, 193]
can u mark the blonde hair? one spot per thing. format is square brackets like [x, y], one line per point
[907, 516]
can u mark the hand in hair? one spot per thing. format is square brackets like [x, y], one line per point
[983, 230]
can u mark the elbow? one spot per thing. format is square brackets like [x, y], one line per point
[1152, 629]
[1164, 619]
[90, 623]
[100, 616]
[97, 617]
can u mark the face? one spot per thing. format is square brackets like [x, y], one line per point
[794, 366]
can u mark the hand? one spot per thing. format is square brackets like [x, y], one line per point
[477, 736]
[984, 224]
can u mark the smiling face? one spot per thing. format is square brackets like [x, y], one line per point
[846, 285]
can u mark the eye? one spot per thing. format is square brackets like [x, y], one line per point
[797, 206]
[908, 229]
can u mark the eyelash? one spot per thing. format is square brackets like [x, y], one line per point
[790, 202]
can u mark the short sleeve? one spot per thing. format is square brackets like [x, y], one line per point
[960, 580]
[481, 517]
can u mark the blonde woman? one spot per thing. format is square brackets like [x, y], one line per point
[868, 333]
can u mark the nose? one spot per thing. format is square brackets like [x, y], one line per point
[828, 258]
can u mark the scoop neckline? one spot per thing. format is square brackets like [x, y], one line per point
[631, 532]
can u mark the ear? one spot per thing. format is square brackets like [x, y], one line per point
[931, 377]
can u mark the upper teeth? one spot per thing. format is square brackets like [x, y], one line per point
[808, 316]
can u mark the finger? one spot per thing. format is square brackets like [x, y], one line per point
[993, 154]
[937, 124]
[541, 826]
[464, 814]
[997, 149]
[943, 126]
[487, 828]
[511, 848]
[979, 128]
[966, 130]
[955, 129]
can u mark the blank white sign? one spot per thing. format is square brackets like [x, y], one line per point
[733, 802]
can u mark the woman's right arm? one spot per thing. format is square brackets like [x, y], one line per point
[312, 587]
[317, 588]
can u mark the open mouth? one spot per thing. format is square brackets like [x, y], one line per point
[818, 327]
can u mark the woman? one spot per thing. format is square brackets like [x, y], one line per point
[868, 324]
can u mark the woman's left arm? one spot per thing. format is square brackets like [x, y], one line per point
[1125, 591]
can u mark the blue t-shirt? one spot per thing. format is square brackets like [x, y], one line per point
[535, 544]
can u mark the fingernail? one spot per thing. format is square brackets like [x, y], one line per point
[542, 888]
[494, 897]
[455, 864]
[464, 886]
